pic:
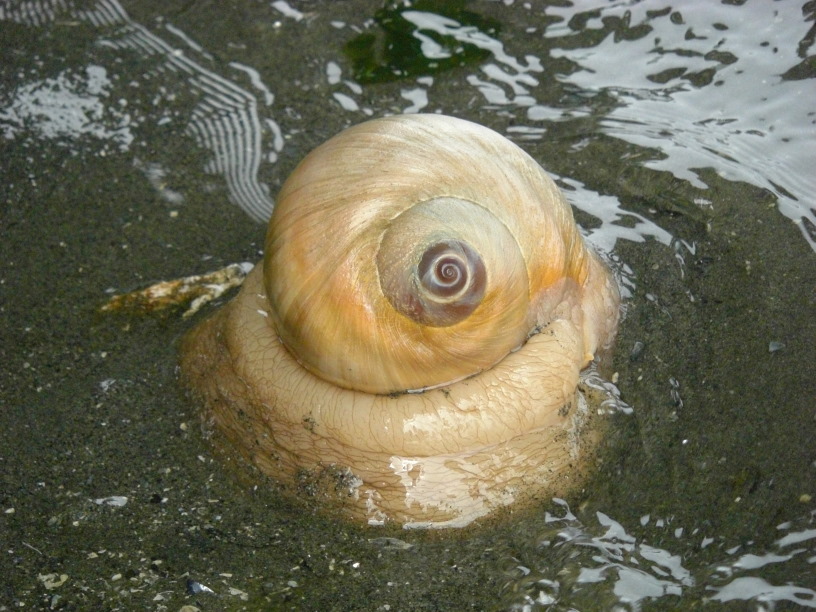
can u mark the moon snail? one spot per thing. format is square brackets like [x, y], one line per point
[411, 342]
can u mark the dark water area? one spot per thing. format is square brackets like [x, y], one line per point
[144, 141]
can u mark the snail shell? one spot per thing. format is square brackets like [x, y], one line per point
[423, 246]
[414, 253]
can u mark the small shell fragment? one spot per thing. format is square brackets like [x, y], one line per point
[52, 581]
[192, 292]
[196, 588]
[114, 500]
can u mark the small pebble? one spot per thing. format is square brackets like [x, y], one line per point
[195, 588]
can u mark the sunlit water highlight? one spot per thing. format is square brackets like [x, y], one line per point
[598, 565]
[708, 85]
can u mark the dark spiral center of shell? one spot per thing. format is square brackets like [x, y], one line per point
[443, 269]
[449, 284]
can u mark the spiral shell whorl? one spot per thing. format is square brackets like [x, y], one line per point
[367, 228]
[431, 260]
[451, 276]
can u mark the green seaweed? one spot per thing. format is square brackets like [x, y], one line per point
[401, 48]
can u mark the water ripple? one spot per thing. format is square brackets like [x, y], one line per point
[704, 93]
[597, 564]
[225, 118]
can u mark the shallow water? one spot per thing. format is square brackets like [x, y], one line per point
[144, 141]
